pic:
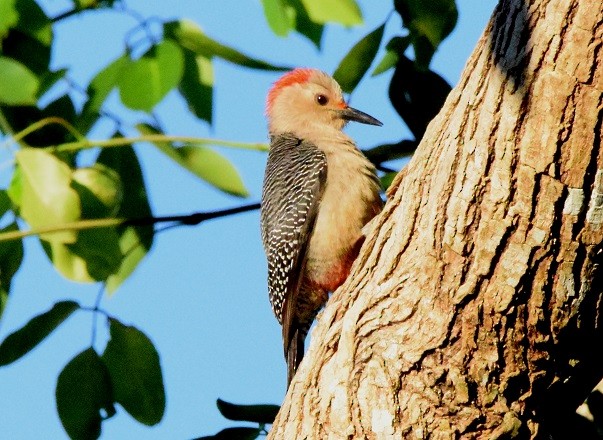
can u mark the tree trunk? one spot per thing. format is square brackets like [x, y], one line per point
[473, 310]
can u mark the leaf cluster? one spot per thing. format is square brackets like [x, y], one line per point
[89, 387]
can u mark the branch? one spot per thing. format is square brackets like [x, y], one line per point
[121, 142]
[182, 220]
[72, 12]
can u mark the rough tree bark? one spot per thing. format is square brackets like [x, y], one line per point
[473, 310]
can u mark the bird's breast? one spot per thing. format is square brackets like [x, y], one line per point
[350, 200]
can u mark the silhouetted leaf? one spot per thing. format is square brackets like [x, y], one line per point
[190, 36]
[11, 254]
[135, 372]
[49, 79]
[429, 23]
[238, 433]
[5, 202]
[417, 95]
[383, 153]
[83, 392]
[393, 50]
[29, 51]
[358, 60]
[303, 24]
[62, 108]
[22, 341]
[143, 83]
[250, 413]
[197, 84]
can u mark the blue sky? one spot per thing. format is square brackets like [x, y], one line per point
[200, 295]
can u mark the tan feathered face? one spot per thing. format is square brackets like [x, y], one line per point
[305, 98]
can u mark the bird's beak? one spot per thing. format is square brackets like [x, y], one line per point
[351, 114]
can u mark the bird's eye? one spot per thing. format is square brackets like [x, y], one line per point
[322, 99]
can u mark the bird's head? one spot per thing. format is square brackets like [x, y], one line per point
[309, 99]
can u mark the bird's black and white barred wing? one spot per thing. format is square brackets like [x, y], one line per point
[293, 186]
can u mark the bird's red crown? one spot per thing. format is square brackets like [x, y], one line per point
[296, 76]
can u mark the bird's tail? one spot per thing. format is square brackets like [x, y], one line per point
[295, 353]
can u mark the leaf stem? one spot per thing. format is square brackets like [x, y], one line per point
[42, 123]
[121, 142]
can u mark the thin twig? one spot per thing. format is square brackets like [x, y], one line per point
[179, 220]
[72, 12]
[99, 297]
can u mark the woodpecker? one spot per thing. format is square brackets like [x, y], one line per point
[319, 191]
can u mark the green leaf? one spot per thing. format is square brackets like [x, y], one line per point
[429, 23]
[143, 83]
[49, 79]
[134, 241]
[358, 60]
[212, 167]
[263, 414]
[27, 50]
[25, 339]
[303, 24]
[197, 84]
[134, 246]
[100, 190]
[103, 83]
[15, 188]
[96, 253]
[204, 163]
[345, 12]
[95, 256]
[387, 179]
[393, 50]
[133, 365]
[190, 36]
[19, 85]
[47, 197]
[279, 19]
[237, 433]
[5, 202]
[83, 392]
[98, 90]
[27, 17]
[9, 17]
[11, 256]
[3, 299]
